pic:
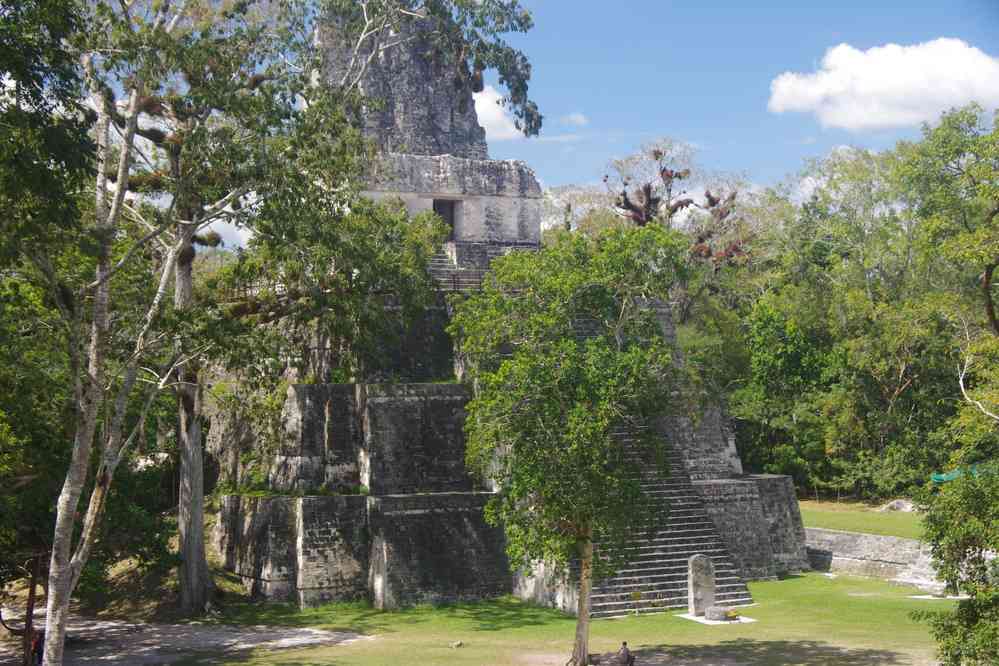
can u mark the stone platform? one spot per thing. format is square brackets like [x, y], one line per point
[396, 550]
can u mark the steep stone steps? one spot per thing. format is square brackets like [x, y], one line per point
[451, 277]
[655, 578]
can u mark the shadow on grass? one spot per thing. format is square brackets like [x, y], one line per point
[505, 613]
[740, 652]
[148, 594]
[751, 652]
[233, 658]
[359, 617]
[790, 576]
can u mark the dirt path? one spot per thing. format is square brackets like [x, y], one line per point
[101, 642]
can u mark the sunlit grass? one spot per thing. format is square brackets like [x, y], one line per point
[807, 619]
[860, 517]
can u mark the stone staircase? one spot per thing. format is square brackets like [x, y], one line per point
[451, 277]
[658, 567]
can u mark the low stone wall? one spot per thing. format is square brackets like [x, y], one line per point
[434, 548]
[891, 558]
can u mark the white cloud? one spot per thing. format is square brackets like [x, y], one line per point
[891, 85]
[494, 117]
[575, 119]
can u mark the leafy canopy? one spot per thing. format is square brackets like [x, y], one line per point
[962, 524]
[569, 359]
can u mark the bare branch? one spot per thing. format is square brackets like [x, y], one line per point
[962, 372]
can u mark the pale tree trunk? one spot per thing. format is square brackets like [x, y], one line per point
[66, 564]
[195, 583]
[580, 650]
[61, 574]
[71, 565]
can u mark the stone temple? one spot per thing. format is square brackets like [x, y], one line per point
[419, 535]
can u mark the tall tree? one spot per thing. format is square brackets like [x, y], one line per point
[952, 175]
[566, 354]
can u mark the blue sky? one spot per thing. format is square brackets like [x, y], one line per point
[610, 76]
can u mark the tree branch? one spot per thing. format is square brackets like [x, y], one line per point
[962, 371]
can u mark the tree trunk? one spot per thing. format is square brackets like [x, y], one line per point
[580, 651]
[61, 571]
[29, 615]
[194, 580]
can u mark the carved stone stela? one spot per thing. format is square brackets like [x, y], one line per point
[700, 584]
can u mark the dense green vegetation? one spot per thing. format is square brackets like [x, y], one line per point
[963, 526]
[856, 308]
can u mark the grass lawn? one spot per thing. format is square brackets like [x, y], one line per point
[860, 517]
[808, 620]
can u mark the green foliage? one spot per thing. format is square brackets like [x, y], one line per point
[951, 176]
[962, 524]
[851, 344]
[565, 351]
[33, 411]
[44, 145]
[35, 418]
[140, 499]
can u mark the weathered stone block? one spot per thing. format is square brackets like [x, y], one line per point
[485, 181]
[434, 548]
[333, 548]
[891, 558]
[785, 529]
[735, 508]
[414, 438]
[421, 106]
[716, 614]
[700, 584]
[257, 539]
[321, 432]
[420, 351]
[707, 444]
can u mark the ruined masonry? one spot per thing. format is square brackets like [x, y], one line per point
[419, 535]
